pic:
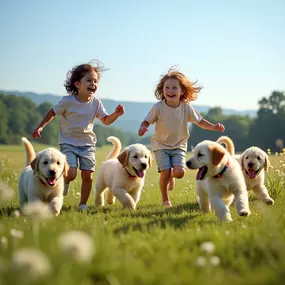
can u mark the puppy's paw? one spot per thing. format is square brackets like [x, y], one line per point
[244, 213]
[269, 201]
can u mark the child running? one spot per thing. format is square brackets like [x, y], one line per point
[171, 116]
[78, 112]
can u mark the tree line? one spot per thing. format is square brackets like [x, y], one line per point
[19, 116]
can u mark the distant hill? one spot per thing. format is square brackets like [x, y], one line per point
[135, 111]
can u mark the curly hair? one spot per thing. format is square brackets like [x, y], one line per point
[79, 71]
[189, 90]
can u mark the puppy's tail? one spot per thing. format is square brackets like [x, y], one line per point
[117, 146]
[230, 147]
[30, 152]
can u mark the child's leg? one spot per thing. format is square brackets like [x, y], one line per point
[71, 175]
[86, 185]
[163, 184]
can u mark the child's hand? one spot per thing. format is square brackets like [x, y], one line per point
[142, 131]
[219, 127]
[37, 132]
[120, 110]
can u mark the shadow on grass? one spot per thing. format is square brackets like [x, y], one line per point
[161, 218]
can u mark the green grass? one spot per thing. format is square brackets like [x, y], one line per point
[151, 245]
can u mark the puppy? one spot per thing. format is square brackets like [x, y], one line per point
[122, 174]
[254, 163]
[219, 180]
[43, 177]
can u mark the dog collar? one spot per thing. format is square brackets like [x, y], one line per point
[130, 175]
[223, 170]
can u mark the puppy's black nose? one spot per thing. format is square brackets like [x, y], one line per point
[250, 164]
[144, 165]
[52, 172]
[188, 163]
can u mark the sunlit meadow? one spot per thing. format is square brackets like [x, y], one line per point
[151, 245]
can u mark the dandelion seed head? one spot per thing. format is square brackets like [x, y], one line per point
[77, 244]
[208, 247]
[31, 262]
[215, 260]
[6, 194]
[201, 261]
[37, 210]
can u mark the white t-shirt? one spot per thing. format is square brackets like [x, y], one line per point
[77, 120]
[171, 125]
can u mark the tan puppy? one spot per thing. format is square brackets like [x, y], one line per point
[122, 174]
[43, 177]
[219, 180]
[254, 163]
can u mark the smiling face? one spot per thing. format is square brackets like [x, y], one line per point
[207, 155]
[49, 165]
[253, 161]
[87, 85]
[172, 92]
[136, 159]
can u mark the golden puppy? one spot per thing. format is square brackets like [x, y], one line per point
[219, 180]
[254, 163]
[122, 174]
[43, 177]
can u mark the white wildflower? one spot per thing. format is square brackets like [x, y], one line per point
[3, 242]
[201, 261]
[31, 262]
[208, 247]
[16, 214]
[215, 260]
[36, 210]
[77, 244]
[16, 234]
[6, 194]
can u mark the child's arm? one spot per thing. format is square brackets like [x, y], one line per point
[47, 118]
[109, 119]
[143, 128]
[204, 124]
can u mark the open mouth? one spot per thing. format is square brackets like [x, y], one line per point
[201, 173]
[92, 90]
[139, 173]
[251, 173]
[50, 181]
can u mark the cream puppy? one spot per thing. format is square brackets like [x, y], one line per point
[254, 163]
[122, 175]
[219, 180]
[43, 177]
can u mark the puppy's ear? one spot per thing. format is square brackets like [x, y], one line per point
[35, 164]
[123, 157]
[217, 154]
[241, 161]
[66, 167]
[266, 163]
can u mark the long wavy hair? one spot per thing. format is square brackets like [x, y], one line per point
[189, 89]
[79, 71]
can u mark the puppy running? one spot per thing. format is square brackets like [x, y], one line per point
[254, 163]
[43, 177]
[122, 174]
[219, 180]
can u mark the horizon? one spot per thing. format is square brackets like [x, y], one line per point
[235, 50]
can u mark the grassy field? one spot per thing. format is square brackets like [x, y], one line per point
[151, 245]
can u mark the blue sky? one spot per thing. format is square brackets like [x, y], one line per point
[235, 49]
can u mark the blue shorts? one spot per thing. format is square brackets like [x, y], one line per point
[167, 158]
[85, 155]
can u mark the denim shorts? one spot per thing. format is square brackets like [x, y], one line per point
[85, 155]
[167, 158]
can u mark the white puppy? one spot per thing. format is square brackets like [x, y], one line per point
[219, 180]
[122, 174]
[254, 163]
[43, 177]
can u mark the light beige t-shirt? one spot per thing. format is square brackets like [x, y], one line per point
[77, 120]
[171, 125]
